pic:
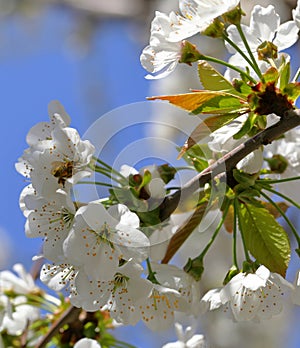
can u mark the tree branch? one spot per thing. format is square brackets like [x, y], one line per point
[290, 120]
[68, 316]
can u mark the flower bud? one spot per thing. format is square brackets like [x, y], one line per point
[189, 53]
[216, 29]
[234, 16]
[277, 163]
[267, 50]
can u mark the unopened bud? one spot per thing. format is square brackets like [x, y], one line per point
[234, 16]
[216, 29]
[189, 53]
[277, 163]
[267, 50]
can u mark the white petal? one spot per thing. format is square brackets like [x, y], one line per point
[286, 35]
[87, 343]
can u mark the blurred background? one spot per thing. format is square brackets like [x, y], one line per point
[85, 53]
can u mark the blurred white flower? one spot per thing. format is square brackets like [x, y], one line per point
[289, 148]
[87, 343]
[222, 141]
[22, 283]
[296, 291]
[22, 314]
[296, 14]
[186, 338]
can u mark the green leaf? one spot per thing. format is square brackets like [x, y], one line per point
[212, 80]
[205, 128]
[203, 101]
[189, 101]
[265, 238]
[223, 103]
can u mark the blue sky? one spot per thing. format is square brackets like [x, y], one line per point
[36, 68]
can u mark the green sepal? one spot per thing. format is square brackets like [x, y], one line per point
[245, 179]
[194, 267]
[284, 75]
[233, 271]
[271, 75]
[292, 90]
[242, 87]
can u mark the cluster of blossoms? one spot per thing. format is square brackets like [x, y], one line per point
[97, 254]
[111, 254]
[167, 47]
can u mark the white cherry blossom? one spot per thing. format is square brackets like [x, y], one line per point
[100, 238]
[5, 308]
[20, 283]
[159, 240]
[42, 131]
[87, 343]
[15, 313]
[121, 295]
[50, 219]
[255, 296]
[58, 276]
[58, 162]
[296, 14]
[21, 315]
[197, 15]
[211, 300]
[176, 291]
[264, 27]
[289, 148]
[186, 338]
[161, 56]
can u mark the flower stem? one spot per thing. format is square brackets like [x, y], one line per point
[283, 215]
[110, 169]
[288, 199]
[205, 250]
[151, 274]
[236, 208]
[237, 48]
[244, 39]
[269, 181]
[100, 170]
[100, 183]
[234, 239]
